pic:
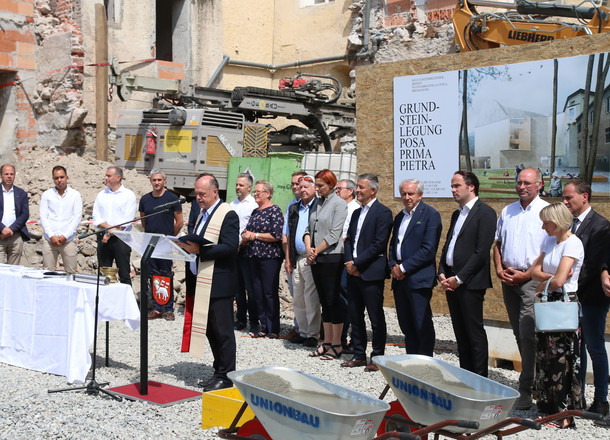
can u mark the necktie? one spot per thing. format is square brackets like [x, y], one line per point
[574, 227]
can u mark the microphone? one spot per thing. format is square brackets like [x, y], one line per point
[179, 201]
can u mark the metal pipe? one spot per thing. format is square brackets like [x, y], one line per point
[366, 25]
[223, 63]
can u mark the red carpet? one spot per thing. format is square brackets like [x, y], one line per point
[158, 393]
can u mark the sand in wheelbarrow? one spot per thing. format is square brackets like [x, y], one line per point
[434, 374]
[308, 392]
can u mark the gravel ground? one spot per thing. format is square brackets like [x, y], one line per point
[28, 411]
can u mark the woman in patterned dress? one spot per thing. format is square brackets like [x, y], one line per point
[263, 238]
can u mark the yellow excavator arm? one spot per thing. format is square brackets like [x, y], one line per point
[524, 22]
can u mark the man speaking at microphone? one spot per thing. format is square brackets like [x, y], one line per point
[167, 221]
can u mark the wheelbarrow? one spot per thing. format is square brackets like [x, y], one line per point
[439, 397]
[291, 404]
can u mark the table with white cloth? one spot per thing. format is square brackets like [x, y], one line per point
[48, 324]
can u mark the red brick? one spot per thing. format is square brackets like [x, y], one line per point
[398, 6]
[12, 35]
[26, 62]
[25, 8]
[9, 6]
[7, 46]
[26, 48]
[23, 133]
[170, 70]
[6, 60]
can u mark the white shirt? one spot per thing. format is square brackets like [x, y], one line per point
[553, 252]
[8, 215]
[351, 207]
[60, 215]
[464, 211]
[520, 234]
[580, 218]
[404, 224]
[115, 207]
[244, 209]
[365, 211]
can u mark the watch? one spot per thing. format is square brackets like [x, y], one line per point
[256, 236]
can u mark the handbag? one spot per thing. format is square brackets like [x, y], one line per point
[556, 316]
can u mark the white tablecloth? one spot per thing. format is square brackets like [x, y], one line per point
[47, 324]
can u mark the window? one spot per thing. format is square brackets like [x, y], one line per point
[112, 10]
[578, 127]
[607, 104]
[607, 133]
[571, 112]
[591, 117]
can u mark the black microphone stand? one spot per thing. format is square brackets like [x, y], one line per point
[93, 387]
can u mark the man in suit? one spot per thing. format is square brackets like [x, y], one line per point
[218, 227]
[14, 213]
[593, 231]
[415, 238]
[367, 267]
[464, 269]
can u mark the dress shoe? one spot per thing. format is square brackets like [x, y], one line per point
[599, 408]
[240, 326]
[155, 314]
[353, 363]
[524, 401]
[298, 339]
[372, 366]
[310, 342]
[291, 334]
[169, 316]
[218, 384]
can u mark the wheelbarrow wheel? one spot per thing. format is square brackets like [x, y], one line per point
[399, 423]
[253, 429]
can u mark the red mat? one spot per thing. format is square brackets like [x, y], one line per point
[158, 393]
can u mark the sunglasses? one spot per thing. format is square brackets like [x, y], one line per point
[306, 179]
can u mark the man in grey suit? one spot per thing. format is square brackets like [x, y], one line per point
[464, 269]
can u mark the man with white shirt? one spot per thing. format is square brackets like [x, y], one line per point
[412, 261]
[366, 262]
[243, 205]
[61, 209]
[464, 270]
[593, 230]
[519, 236]
[14, 213]
[113, 206]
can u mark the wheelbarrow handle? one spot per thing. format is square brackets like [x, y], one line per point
[592, 416]
[530, 424]
[408, 436]
[468, 424]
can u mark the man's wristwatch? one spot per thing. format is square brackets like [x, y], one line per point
[256, 236]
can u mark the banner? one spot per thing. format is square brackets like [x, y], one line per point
[426, 131]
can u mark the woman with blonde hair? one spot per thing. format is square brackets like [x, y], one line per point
[558, 386]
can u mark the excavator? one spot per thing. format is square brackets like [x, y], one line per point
[524, 22]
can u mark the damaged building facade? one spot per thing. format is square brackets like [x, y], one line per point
[48, 66]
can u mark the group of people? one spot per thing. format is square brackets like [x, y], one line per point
[339, 244]
[61, 208]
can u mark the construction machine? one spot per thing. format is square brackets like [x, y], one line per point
[524, 22]
[193, 129]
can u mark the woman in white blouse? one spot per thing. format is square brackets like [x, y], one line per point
[558, 387]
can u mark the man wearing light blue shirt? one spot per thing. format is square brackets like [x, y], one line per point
[61, 209]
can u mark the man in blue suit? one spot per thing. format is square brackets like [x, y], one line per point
[367, 267]
[14, 213]
[415, 239]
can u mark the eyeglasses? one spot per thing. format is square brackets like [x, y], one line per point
[306, 179]
[259, 192]
[338, 189]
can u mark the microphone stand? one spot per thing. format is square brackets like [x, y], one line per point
[93, 387]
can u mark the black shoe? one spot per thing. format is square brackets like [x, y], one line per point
[310, 342]
[239, 325]
[207, 383]
[599, 408]
[218, 384]
[298, 339]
